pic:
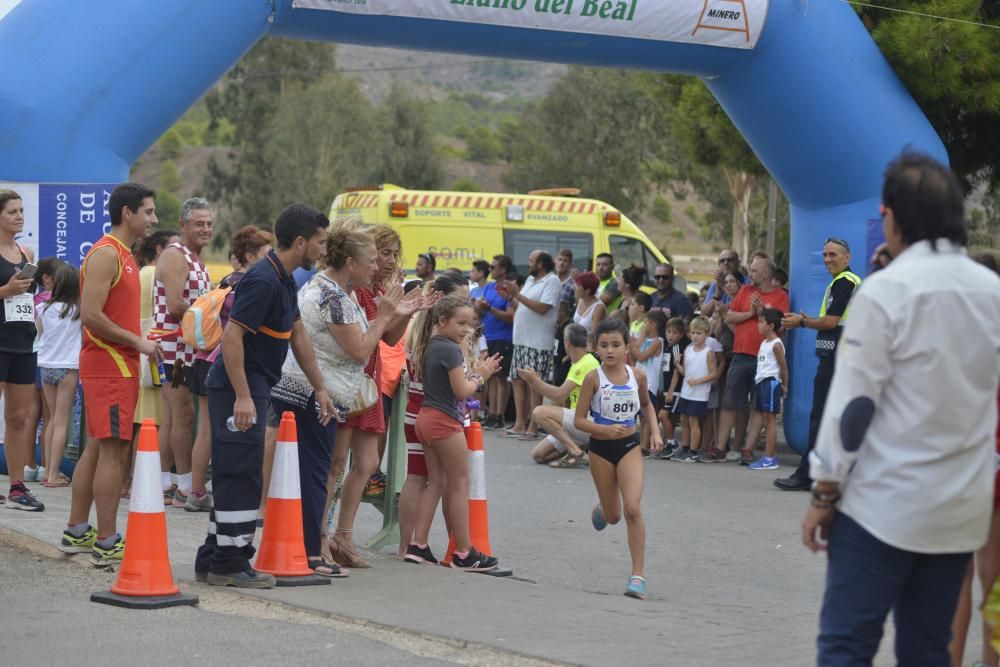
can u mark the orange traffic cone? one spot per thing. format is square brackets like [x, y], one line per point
[479, 515]
[282, 548]
[145, 580]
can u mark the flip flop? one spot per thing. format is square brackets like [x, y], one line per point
[62, 483]
[510, 433]
[528, 435]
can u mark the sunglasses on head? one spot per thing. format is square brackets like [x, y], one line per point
[840, 242]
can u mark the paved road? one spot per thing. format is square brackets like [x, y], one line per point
[729, 579]
[51, 622]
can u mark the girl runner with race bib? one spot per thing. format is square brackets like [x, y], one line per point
[613, 395]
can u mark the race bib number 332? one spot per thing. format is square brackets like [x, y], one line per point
[19, 308]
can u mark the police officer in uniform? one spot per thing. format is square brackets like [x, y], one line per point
[828, 326]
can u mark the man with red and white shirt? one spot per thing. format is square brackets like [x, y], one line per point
[742, 317]
[181, 277]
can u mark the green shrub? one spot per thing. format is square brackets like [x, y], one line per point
[661, 210]
[466, 185]
[171, 144]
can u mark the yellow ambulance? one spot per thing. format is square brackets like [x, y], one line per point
[461, 227]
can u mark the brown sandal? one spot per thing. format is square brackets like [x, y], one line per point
[345, 557]
[570, 461]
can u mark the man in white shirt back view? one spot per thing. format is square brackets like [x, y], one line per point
[903, 464]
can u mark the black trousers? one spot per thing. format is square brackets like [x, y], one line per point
[821, 388]
[315, 457]
[237, 463]
[560, 368]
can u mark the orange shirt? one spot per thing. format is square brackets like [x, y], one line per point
[102, 358]
[393, 360]
[746, 338]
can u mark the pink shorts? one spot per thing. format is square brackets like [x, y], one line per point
[434, 425]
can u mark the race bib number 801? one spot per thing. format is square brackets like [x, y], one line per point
[619, 405]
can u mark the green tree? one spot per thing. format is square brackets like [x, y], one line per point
[483, 145]
[661, 210]
[319, 142]
[171, 144]
[507, 133]
[466, 185]
[714, 148]
[168, 209]
[169, 177]
[594, 131]
[984, 218]
[168, 205]
[404, 144]
[248, 99]
[952, 69]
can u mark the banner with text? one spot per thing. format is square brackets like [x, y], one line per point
[63, 220]
[727, 23]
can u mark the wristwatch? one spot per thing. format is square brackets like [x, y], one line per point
[828, 497]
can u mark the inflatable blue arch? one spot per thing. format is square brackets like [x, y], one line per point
[88, 86]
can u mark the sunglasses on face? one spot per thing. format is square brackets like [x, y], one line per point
[840, 242]
[726, 260]
[661, 277]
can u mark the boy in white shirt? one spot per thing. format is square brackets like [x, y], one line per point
[699, 371]
[771, 385]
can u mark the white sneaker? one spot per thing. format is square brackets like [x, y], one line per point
[30, 474]
[42, 474]
[733, 456]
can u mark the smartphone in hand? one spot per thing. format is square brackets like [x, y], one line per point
[27, 272]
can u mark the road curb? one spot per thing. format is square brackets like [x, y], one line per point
[214, 599]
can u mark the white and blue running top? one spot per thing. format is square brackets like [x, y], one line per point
[615, 403]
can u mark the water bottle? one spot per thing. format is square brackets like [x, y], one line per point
[231, 423]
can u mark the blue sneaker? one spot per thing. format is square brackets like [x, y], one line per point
[636, 587]
[690, 456]
[597, 518]
[765, 463]
[20, 498]
[667, 453]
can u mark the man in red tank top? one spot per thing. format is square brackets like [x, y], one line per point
[109, 372]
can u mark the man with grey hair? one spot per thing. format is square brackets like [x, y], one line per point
[742, 316]
[565, 441]
[181, 277]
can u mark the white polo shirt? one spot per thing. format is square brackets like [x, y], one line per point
[923, 346]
